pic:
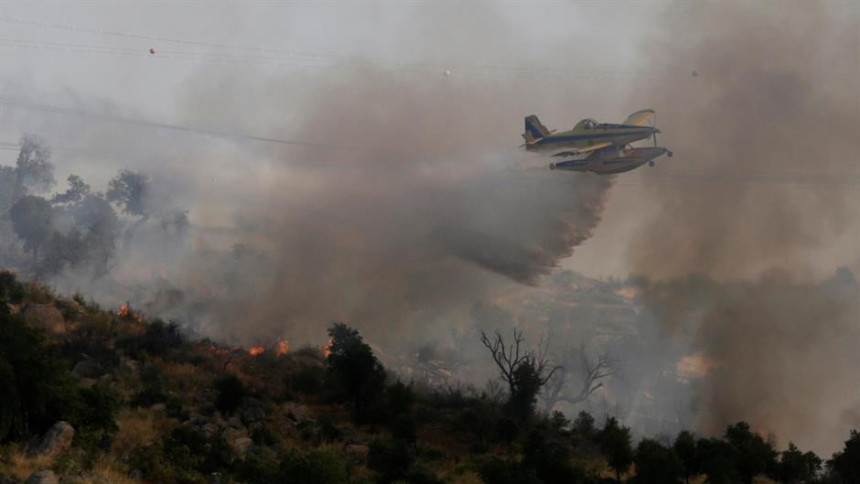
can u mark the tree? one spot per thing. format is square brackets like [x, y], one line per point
[755, 455]
[685, 448]
[524, 371]
[656, 464]
[34, 168]
[77, 191]
[590, 373]
[796, 467]
[35, 379]
[130, 190]
[718, 459]
[616, 447]
[845, 465]
[352, 364]
[31, 219]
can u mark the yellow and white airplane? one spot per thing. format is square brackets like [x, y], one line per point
[601, 148]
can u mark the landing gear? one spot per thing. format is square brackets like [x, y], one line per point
[669, 153]
[652, 163]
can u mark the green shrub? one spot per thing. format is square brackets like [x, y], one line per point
[314, 467]
[494, 470]
[230, 392]
[391, 460]
[11, 291]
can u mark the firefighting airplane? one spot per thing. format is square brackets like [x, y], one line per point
[602, 148]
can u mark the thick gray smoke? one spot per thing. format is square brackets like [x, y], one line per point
[421, 206]
[760, 201]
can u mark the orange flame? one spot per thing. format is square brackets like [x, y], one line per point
[256, 350]
[282, 348]
[326, 349]
[125, 312]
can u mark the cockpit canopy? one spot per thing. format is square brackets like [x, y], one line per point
[587, 123]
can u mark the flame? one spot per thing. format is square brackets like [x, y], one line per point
[695, 366]
[282, 347]
[256, 350]
[326, 349]
[125, 312]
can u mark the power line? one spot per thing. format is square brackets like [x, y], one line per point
[288, 58]
[13, 103]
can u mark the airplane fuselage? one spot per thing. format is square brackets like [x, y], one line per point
[584, 138]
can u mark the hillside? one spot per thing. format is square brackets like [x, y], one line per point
[97, 395]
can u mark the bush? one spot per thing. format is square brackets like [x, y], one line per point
[158, 339]
[230, 391]
[497, 471]
[656, 464]
[390, 460]
[11, 291]
[355, 370]
[35, 380]
[315, 467]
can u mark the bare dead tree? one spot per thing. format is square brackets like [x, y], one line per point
[591, 373]
[513, 360]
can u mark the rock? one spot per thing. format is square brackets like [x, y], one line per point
[297, 412]
[214, 478]
[135, 474]
[87, 369]
[45, 316]
[43, 476]
[209, 429]
[357, 453]
[252, 411]
[241, 446]
[87, 382]
[158, 407]
[56, 439]
[230, 434]
[131, 365]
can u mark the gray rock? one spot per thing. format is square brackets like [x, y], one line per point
[230, 434]
[87, 369]
[297, 411]
[214, 478]
[45, 316]
[43, 476]
[241, 446]
[135, 474]
[56, 439]
[252, 411]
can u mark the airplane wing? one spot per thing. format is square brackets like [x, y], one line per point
[645, 117]
[582, 151]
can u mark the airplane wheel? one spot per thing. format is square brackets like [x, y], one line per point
[669, 154]
[651, 163]
[552, 166]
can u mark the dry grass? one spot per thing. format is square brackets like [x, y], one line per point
[106, 469]
[185, 378]
[21, 466]
[137, 427]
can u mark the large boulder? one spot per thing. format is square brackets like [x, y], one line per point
[43, 476]
[87, 369]
[242, 446]
[56, 439]
[45, 316]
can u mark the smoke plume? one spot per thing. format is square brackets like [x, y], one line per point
[762, 204]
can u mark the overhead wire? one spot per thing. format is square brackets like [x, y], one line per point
[287, 58]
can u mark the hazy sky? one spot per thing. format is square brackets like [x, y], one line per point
[51, 54]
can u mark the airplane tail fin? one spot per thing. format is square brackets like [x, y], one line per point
[534, 129]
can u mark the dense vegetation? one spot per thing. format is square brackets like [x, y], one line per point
[149, 405]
